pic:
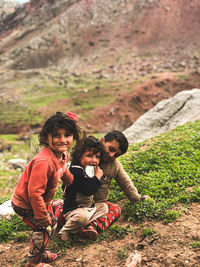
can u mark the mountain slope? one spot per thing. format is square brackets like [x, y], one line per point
[66, 33]
[107, 61]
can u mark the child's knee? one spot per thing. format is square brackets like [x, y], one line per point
[105, 208]
[81, 219]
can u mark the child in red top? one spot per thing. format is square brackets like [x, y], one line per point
[38, 184]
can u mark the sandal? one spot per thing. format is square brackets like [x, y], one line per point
[48, 256]
[46, 265]
[42, 264]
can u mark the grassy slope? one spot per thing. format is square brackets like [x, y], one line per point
[26, 97]
[165, 167]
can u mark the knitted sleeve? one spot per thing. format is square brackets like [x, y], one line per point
[67, 177]
[126, 183]
[37, 187]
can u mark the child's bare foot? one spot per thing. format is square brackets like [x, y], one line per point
[89, 233]
[64, 237]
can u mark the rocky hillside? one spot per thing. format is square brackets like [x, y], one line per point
[126, 41]
[69, 32]
[7, 8]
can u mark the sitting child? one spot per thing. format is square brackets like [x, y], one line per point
[79, 207]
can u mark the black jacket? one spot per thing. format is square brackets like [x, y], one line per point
[80, 192]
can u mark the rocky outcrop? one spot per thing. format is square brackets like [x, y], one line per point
[128, 107]
[165, 116]
[7, 8]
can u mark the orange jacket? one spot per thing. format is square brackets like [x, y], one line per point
[38, 183]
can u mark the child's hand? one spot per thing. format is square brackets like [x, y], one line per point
[44, 222]
[145, 197]
[98, 173]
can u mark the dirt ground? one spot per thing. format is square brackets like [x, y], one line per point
[170, 246]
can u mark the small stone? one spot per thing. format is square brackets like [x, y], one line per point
[134, 259]
[79, 259]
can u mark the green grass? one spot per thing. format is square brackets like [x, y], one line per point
[123, 253]
[9, 229]
[171, 216]
[163, 167]
[55, 89]
[148, 232]
[9, 137]
[118, 231]
[19, 149]
[196, 244]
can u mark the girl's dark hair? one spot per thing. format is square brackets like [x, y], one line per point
[58, 121]
[87, 143]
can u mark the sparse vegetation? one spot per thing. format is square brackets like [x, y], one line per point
[118, 231]
[148, 232]
[123, 253]
[196, 244]
[171, 216]
[36, 92]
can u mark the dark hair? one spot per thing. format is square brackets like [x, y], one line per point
[87, 143]
[120, 138]
[58, 121]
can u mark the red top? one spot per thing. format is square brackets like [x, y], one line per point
[38, 183]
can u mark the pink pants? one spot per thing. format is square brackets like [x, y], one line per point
[40, 236]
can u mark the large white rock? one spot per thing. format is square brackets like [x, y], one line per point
[17, 163]
[165, 116]
[6, 210]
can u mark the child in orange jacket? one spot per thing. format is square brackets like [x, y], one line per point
[38, 184]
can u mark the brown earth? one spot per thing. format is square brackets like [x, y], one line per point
[170, 246]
